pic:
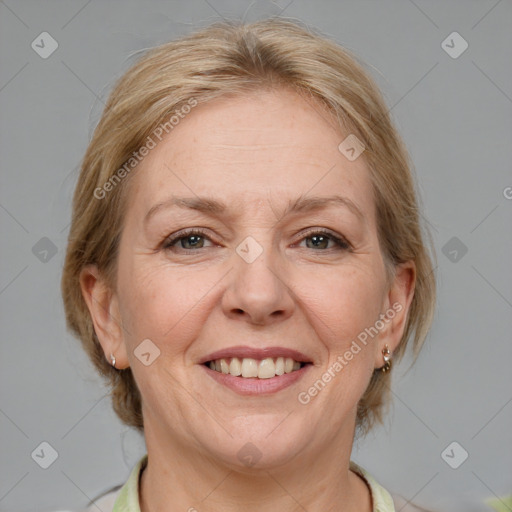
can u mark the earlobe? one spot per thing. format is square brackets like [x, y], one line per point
[104, 311]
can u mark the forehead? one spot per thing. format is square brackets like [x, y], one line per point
[247, 148]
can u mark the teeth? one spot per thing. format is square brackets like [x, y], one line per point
[224, 366]
[251, 368]
[280, 366]
[267, 369]
[235, 367]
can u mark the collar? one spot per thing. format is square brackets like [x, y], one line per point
[128, 498]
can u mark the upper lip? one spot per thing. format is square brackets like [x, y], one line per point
[256, 353]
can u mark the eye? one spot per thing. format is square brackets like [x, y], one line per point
[194, 239]
[322, 239]
[187, 240]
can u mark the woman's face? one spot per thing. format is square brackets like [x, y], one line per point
[249, 238]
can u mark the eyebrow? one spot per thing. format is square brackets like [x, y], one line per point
[215, 207]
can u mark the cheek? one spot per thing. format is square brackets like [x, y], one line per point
[340, 307]
[162, 303]
[342, 302]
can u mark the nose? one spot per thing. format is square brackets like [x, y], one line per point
[257, 291]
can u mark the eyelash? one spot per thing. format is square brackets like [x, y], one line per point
[342, 243]
[171, 240]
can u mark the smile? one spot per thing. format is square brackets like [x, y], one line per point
[255, 371]
[248, 367]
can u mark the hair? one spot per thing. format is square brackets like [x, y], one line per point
[232, 58]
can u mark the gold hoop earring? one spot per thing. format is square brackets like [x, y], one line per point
[386, 354]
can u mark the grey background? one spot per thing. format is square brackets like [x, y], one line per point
[455, 116]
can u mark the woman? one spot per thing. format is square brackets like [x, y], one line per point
[245, 262]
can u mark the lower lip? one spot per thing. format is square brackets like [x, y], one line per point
[255, 386]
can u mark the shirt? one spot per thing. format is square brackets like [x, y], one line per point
[128, 497]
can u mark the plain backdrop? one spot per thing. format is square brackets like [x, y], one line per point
[454, 112]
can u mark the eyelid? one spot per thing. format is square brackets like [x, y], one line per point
[339, 239]
[173, 238]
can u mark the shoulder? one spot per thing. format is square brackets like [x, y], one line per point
[105, 503]
[383, 501]
[124, 497]
[405, 506]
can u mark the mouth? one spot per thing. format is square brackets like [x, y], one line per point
[250, 368]
[249, 371]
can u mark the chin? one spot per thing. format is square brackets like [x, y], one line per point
[259, 445]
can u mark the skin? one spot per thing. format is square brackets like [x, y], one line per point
[256, 153]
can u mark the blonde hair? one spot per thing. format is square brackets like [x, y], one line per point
[233, 58]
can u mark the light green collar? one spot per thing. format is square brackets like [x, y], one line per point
[128, 498]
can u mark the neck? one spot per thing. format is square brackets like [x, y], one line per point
[183, 478]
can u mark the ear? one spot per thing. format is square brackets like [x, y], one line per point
[104, 310]
[396, 308]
